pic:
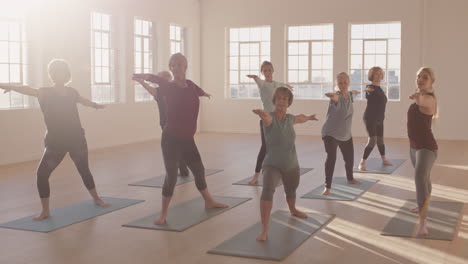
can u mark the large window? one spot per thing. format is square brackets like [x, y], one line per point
[176, 37]
[310, 60]
[13, 70]
[143, 55]
[102, 76]
[248, 48]
[376, 45]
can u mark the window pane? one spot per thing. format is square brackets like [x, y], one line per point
[234, 35]
[293, 48]
[369, 31]
[356, 46]
[244, 34]
[292, 76]
[304, 33]
[97, 24]
[105, 40]
[178, 33]
[369, 47]
[97, 40]
[317, 62]
[327, 47]
[15, 73]
[316, 76]
[105, 22]
[394, 61]
[266, 34]
[106, 58]
[265, 48]
[97, 57]
[97, 75]
[105, 75]
[317, 47]
[15, 32]
[137, 44]
[293, 33]
[381, 47]
[233, 63]
[327, 76]
[255, 34]
[138, 27]
[303, 76]
[254, 63]
[244, 62]
[381, 30]
[356, 76]
[381, 61]
[303, 48]
[394, 30]
[369, 61]
[316, 33]
[303, 62]
[293, 62]
[254, 49]
[393, 76]
[146, 45]
[244, 49]
[327, 62]
[233, 77]
[328, 32]
[357, 31]
[394, 46]
[356, 61]
[146, 28]
[233, 49]
[147, 60]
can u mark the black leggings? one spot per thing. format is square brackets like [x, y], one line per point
[183, 171]
[174, 150]
[262, 152]
[52, 157]
[375, 129]
[347, 149]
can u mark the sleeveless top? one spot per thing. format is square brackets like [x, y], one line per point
[419, 129]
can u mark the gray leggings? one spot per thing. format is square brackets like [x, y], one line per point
[271, 177]
[174, 150]
[422, 160]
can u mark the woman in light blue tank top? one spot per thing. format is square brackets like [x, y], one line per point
[280, 162]
[266, 89]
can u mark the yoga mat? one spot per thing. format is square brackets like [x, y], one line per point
[374, 165]
[159, 181]
[285, 234]
[341, 190]
[260, 179]
[69, 215]
[187, 214]
[442, 219]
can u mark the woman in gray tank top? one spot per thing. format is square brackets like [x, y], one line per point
[280, 162]
[336, 132]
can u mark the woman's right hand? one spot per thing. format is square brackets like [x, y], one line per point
[252, 76]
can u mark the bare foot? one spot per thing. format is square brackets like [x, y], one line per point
[42, 216]
[214, 204]
[262, 236]
[101, 203]
[422, 231]
[354, 182]
[385, 162]
[160, 221]
[415, 210]
[326, 191]
[362, 166]
[298, 213]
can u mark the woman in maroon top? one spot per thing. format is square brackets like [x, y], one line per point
[177, 141]
[422, 142]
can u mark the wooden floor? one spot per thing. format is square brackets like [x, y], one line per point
[352, 237]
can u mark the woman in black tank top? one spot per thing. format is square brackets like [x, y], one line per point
[64, 131]
[423, 147]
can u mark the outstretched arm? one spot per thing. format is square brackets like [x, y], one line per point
[266, 117]
[255, 77]
[205, 94]
[333, 97]
[26, 90]
[89, 103]
[303, 118]
[153, 91]
[149, 78]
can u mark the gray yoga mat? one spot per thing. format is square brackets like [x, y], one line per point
[374, 165]
[442, 219]
[286, 233]
[187, 214]
[159, 181]
[260, 179]
[69, 215]
[341, 190]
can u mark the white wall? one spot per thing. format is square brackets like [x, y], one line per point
[444, 48]
[61, 29]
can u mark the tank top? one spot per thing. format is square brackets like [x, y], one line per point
[419, 129]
